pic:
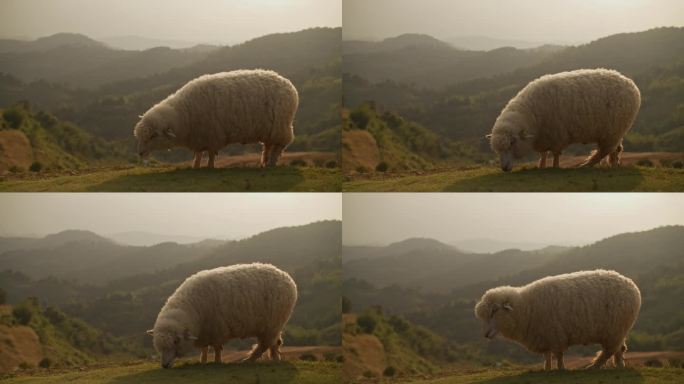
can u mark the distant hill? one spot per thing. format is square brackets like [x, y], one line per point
[48, 43]
[652, 258]
[486, 43]
[463, 106]
[127, 286]
[141, 43]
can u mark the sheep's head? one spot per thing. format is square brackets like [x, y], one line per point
[510, 139]
[154, 131]
[496, 312]
[171, 343]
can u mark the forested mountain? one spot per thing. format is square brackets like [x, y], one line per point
[120, 289]
[653, 258]
[463, 108]
[105, 90]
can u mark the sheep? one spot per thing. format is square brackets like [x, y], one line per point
[213, 306]
[212, 111]
[554, 111]
[556, 312]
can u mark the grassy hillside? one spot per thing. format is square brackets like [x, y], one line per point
[300, 372]
[491, 179]
[169, 178]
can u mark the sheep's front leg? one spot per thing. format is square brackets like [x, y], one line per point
[542, 159]
[212, 157]
[559, 360]
[198, 160]
[547, 361]
[217, 353]
[203, 356]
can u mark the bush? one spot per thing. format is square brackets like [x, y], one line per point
[678, 164]
[359, 118]
[3, 296]
[331, 164]
[361, 169]
[45, 363]
[346, 304]
[23, 315]
[653, 363]
[644, 163]
[36, 167]
[381, 167]
[367, 323]
[308, 357]
[368, 374]
[298, 163]
[14, 117]
[389, 371]
[15, 169]
[24, 365]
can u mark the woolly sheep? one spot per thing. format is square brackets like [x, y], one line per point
[214, 306]
[554, 111]
[212, 111]
[556, 312]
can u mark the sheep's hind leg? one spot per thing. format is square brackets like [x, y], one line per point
[217, 353]
[600, 360]
[619, 357]
[542, 159]
[595, 158]
[547, 361]
[274, 350]
[265, 155]
[274, 154]
[198, 160]
[559, 360]
[212, 158]
[556, 159]
[614, 157]
[203, 355]
[257, 352]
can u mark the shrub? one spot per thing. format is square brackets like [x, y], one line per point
[366, 323]
[346, 304]
[36, 167]
[3, 296]
[298, 163]
[678, 164]
[359, 118]
[389, 371]
[14, 117]
[331, 164]
[653, 363]
[15, 169]
[361, 169]
[22, 314]
[368, 374]
[308, 357]
[24, 365]
[644, 163]
[45, 363]
[381, 167]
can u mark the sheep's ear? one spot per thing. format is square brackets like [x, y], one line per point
[169, 132]
[488, 137]
[150, 332]
[140, 116]
[508, 307]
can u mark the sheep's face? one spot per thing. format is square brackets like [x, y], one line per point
[495, 314]
[153, 135]
[171, 345]
[511, 144]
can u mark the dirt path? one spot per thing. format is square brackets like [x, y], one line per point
[632, 359]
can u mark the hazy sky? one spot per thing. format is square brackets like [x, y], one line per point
[559, 21]
[207, 215]
[212, 21]
[546, 218]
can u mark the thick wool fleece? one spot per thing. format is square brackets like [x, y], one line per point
[239, 301]
[554, 111]
[212, 111]
[556, 312]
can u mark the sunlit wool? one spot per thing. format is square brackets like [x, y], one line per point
[554, 111]
[556, 312]
[214, 306]
[212, 111]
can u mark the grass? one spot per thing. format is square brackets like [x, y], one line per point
[641, 375]
[181, 179]
[262, 372]
[490, 179]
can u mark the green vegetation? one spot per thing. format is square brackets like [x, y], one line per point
[490, 179]
[300, 372]
[166, 178]
[641, 375]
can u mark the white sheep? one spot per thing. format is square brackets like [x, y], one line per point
[554, 111]
[212, 111]
[214, 306]
[556, 312]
